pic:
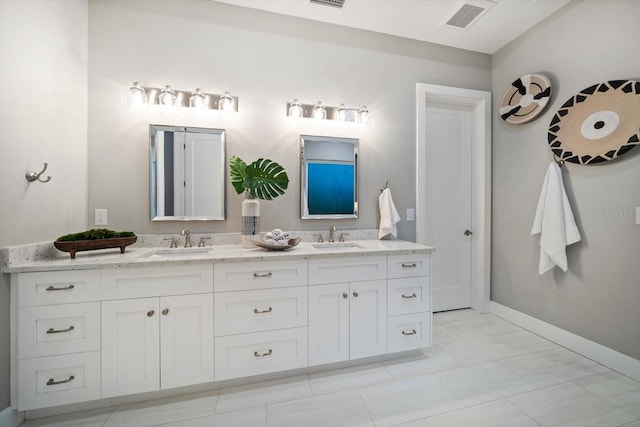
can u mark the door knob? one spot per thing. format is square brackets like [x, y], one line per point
[467, 232]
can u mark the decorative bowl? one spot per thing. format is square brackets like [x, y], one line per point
[292, 242]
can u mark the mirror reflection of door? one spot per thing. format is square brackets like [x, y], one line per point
[187, 173]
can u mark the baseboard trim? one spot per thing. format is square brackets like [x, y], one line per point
[604, 355]
[11, 418]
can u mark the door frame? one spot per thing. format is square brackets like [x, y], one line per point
[480, 102]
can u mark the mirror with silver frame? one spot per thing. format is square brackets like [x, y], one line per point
[328, 177]
[187, 173]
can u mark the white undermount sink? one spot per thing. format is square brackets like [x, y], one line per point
[175, 253]
[338, 245]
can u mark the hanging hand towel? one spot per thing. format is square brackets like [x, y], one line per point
[389, 216]
[554, 222]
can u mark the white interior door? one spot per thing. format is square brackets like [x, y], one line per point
[449, 136]
[440, 171]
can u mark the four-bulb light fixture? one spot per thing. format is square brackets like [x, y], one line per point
[140, 97]
[320, 112]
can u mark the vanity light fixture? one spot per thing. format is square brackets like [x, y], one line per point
[168, 97]
[140, 97]
[322, 112]
[319, 112]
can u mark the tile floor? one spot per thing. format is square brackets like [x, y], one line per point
[481, 371]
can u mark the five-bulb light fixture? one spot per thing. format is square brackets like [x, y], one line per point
[140, 97]
[321, 112]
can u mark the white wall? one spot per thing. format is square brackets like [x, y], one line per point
[43, 107]
[586, 43]
[265, 60]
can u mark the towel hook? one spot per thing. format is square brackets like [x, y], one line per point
[33, 176]
[386, 185]
[559, 161]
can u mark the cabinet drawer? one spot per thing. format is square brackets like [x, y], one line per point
[408, 265]
[58, 380]
[409, 332]
[263, 310]
[349, 269]
[156, 281]
[259, 275]
[260, 353]
[410, 295]
[58, 329]
[58, 287]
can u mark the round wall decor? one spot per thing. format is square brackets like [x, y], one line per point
[598, 124]
[525, 98]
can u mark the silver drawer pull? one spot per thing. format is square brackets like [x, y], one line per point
[54, 382]
[413, 332]
[409, 296]
[412, 265]
[268, 310]
[268, 353]
[259, 275]
[58, 331]
[66, 288]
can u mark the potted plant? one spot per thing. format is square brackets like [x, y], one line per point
[263, 179]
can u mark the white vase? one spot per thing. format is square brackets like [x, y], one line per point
[250, 220]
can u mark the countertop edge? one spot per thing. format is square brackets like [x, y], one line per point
[139, 257]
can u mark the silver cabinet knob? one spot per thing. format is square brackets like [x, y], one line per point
[468, 232]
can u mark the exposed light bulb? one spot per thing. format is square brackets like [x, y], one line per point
[319, 112]
[198, 99]
[167, 97]
[295, 109]
[226, 103]
[363, 115]
[341, 113]
[136, 97]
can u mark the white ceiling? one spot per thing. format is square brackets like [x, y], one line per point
[422, 19]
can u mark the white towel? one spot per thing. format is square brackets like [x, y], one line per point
[554, 222]
[389, 216]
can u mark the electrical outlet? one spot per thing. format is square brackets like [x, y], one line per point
[411, 214]
[101, 217]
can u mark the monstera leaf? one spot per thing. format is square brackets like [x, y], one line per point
[264, 178]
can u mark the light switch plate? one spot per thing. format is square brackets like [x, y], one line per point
[638, 216]
[100, 217]
[411, 214]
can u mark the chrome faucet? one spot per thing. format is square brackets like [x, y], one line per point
[187, 237]
[332, 232]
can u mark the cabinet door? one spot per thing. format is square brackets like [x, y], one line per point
[368, 318]
[186, 337]
[130, 346]
[328, 323]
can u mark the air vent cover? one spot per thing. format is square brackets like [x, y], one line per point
[467, 13]
[333, 3]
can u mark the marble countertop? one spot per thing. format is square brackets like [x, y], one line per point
[154, 256]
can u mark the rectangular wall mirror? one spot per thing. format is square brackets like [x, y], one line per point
[328, 177]
[188, 169]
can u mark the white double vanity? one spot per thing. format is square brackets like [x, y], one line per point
[110, 324]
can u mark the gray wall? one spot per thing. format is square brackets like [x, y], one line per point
[43, 107]
[266, 60]
[586, 43]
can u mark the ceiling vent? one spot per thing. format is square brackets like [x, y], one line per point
[466, 13]
[333, 3]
